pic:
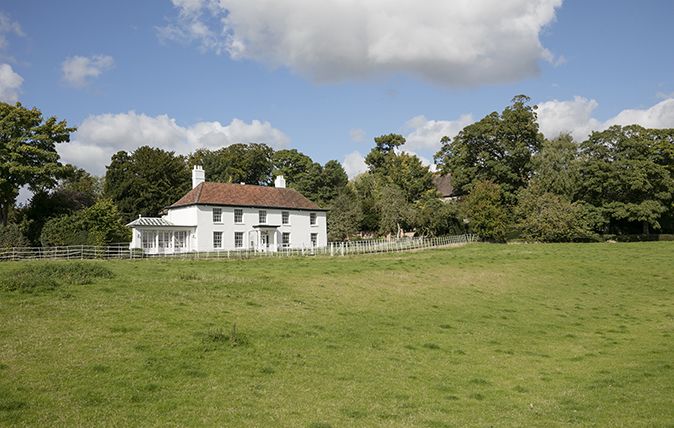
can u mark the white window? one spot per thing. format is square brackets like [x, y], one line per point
[217, 239]
[217, 215]
[148, 237]
[180, 239]
[286, 239]
[238, 239]
[285, 217]
[263, 217]
[238, 215]
[164, 239]
[312, 219]
[314, 239]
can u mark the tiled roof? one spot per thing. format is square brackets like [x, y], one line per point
[149, 221]
[245, 195]
[443, 184]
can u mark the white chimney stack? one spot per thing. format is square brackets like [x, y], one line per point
[198, 176]
[280, 182]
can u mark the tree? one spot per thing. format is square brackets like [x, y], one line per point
[365, 187]
[394, 210]
[345, 215]
[333, 179]
[145, 181]
[498, 148]
[28, 155]
[557, 167]
[385, 146]
[549, 217]
[433, 217]
[75, 191]
[485, 211]
[292, 164]
[237, 163]
[626, 172]
[100, 224]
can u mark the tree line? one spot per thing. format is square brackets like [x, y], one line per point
[509, 181]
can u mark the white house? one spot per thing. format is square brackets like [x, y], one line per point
[226, 216]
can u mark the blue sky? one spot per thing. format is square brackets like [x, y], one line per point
[326, 77]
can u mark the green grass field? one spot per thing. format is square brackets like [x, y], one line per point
[527, 335]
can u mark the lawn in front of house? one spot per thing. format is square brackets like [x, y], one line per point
[556, 334]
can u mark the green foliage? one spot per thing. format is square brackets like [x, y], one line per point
[498, 148]
[394, 211]
[385, 146]
[44, 276]
[365, 187]
[75, 191]
[557, 168]
[100, 224]
[237, 163]
[548, 217]
[146, 181]
[485, 211]
[433, 217]
[11, 236]
[28, 153]
[345, 216]
[626, 172]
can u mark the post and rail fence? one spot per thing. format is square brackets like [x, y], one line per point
[334, 249]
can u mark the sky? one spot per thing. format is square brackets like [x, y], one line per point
[326, 77]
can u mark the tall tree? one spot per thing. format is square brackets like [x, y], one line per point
[484, 210]
[395, 212]
[626, 171]
[385, 147]
[498, 148]
[345, 215]
[75, 191]
[145, 181]
[557, 167]
[238, 163]
[28, 155]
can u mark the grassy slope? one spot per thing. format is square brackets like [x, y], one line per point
[481, 335]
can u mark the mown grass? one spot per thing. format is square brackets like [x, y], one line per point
[528, 335]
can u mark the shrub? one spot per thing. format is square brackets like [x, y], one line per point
[11, 236]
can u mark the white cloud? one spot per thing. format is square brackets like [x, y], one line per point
[10, 84]
[354, 164]
[455, 43]
[7, 26]
[575, 117]
[99, 137]
[426, 134]
[358, 135]
[78, 70]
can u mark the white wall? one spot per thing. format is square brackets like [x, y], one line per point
[299, 228]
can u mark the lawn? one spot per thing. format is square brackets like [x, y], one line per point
[527, 335]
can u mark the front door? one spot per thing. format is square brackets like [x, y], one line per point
[264, 241]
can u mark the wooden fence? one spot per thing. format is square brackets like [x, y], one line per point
[122, 251]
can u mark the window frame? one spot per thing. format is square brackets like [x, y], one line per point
[218, 234]
[219, 213]
[238, 243]
[314, 239]
[285, 239]
[238, 212]
[262, 216]
[312, 219]
[285, 217]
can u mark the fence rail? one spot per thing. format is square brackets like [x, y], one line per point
[122, 251]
